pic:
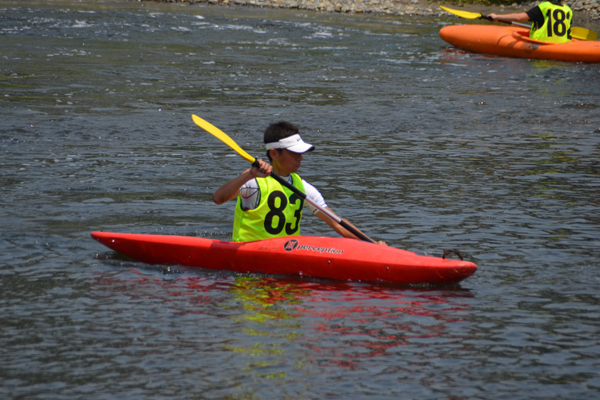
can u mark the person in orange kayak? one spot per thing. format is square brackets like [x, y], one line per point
[265, 208]
[551, 21]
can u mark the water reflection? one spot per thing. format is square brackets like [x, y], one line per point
[319, 323]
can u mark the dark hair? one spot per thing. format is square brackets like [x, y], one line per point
[277, 131]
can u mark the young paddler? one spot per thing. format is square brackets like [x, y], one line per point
[551, 21]
[266, 209]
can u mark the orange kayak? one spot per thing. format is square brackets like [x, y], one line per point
[515, 42]
[304, 256]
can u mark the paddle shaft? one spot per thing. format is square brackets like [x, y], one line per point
[331, 215]
[506, 22]
[516, 23]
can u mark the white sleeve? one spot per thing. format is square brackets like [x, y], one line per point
[250, 195]
[314, 195]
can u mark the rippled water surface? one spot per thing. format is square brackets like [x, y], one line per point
[418, 144]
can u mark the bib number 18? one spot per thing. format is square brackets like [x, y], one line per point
[556, 22]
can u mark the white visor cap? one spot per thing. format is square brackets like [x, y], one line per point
[293, 143]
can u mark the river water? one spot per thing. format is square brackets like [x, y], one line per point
[417, 143]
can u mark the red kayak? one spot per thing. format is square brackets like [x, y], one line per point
[306, 256]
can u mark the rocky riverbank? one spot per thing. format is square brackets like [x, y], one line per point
[584, 10]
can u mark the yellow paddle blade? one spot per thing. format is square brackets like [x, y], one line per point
[219, 134]
[463, 14]
[583, 34]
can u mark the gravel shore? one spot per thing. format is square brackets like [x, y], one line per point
[584, 10]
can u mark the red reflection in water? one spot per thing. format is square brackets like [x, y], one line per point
[349, 322]
[359, 321]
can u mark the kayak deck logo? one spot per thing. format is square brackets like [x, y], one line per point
[290, 245]
[293, 244]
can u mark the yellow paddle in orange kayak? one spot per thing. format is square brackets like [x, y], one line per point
[576, 32]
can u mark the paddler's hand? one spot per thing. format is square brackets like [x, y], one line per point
[231, 189]
[263, 171]
[381, 242]
[493, 17]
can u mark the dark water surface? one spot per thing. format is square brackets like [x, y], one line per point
[418, 144]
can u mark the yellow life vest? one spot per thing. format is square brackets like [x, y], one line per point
[278, 213]
[557, 23]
